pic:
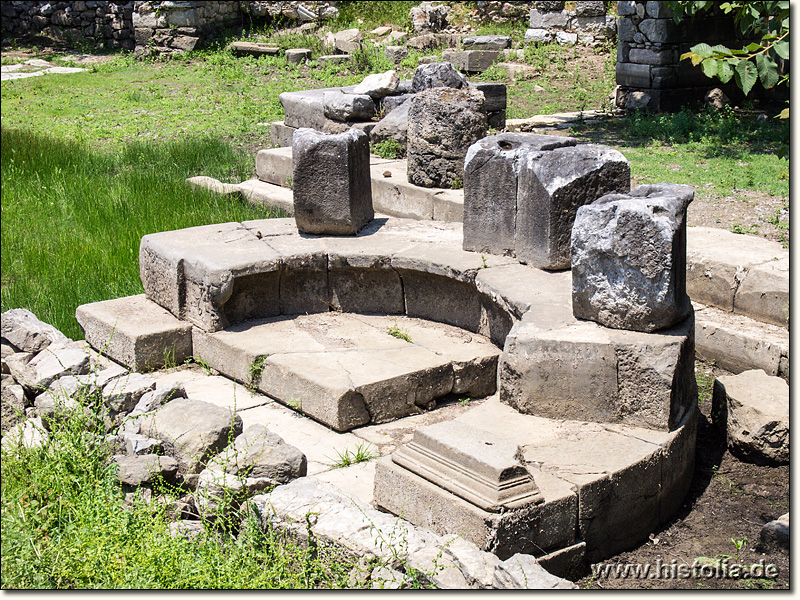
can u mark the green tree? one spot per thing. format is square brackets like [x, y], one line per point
[767, 23]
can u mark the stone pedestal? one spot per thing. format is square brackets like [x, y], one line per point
[332, 189]
[521, 193]
[443, 123]
[629, 258]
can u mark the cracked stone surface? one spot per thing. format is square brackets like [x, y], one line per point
[347, 370]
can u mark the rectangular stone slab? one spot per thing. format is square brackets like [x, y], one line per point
[482, 468]
[347, 370]
[135, 332]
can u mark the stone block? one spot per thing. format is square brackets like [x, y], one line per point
[184, 272]
[657, 10]
[629, 258]
[716, 277]
[486, 42]
[590, 8]
[548, 20]
[764, 292]
[756, 409]
[495, 96]
[532, 529]
[626, 30]
[522, 192]
[437, 74]
[341, 107]
[253, 49]
[442, 123]
[650, 56]
[566, 39]
[297, 56]
[331, 182]
[471, 61]
[378, 85]
[486, 470]
[633, 75]
[538, 36]
[275, 165]
[585, 372]
[663, 31]
[396, 54]
[626, 8]
[738, 343]
[774, 536]
[491, 188]
[136, 332]
[22, 329]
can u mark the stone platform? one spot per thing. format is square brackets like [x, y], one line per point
[604, 419]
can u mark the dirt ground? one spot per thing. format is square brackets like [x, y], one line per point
[729, 501]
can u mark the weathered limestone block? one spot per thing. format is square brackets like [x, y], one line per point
[347, 107]
[486, 42]
[37, 371]
[192, 431]
[442, 124]
[378, 85]
[755, 407]
[521, 193]
[185, 272]
[260, 453]
[629, 258]
[471, 61]
[439, 74]
[548, 20]
[136, 332]
[146, 469]
[26, 333]
[579, 370]
[332, 189]
[393, 126]
[429, 17]
[396, 54]
[297, 56]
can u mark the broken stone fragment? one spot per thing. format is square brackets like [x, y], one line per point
[437, 74]
[26, 333]
[378, 85]
[754, 408]
[442, 124]
[332, 188]
[629, 258]
[342, 107]
[145, 470]
[259, 453]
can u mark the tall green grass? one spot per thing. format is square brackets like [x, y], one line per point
[73, 216]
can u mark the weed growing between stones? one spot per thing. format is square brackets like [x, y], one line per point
[389, 149]
[400, 334]
[256, 369]
[66, 523]
[362, 453]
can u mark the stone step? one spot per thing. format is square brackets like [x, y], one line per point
[347, 370]
[392, 194]
[266, 194]
[738, 343]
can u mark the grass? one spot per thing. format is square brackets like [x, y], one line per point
[400, 334]
[388, 148]
[73, 217]
[362, 453]
[65, 525]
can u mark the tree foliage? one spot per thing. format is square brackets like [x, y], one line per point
[767, 23]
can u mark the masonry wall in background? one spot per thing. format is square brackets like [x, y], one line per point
[149, 27]
[650, 73]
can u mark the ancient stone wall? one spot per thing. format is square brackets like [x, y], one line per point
[588, 24]
[650, 73]
[101, 24]
[149, 27]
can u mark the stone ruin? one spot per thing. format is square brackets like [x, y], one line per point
[581, 369]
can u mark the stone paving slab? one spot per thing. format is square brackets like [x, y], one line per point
[738, 273]
[347, 370]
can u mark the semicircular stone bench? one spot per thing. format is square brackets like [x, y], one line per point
[567, 380]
